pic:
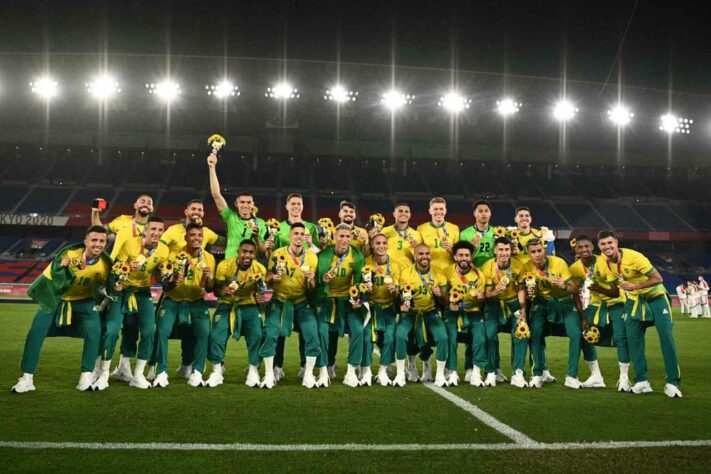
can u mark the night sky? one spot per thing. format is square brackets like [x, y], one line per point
[666, 40]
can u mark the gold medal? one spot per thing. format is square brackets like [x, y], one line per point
[305, 268]
[472, 292]
[388, 280]
[140, 259]
[234, 286]
[74, 261]
[200, 266]
[504, 280]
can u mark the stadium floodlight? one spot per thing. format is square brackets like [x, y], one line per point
[394, 99]
[620, 115]
[103, 87]
[564, 111]
[340, 94]
[507, 106]
[166, 90]
[223, 90]
[454, 102]
[45, 87]
[670, 123]
[282, 91]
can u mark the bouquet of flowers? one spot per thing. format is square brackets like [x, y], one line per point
[377, 221]
[216, 142]
[272, 228]
[121, 270]
[367, 273]
[354, 293]
[522, 331]
[407, 295]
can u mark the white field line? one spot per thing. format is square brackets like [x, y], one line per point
[516, 436]
[352, 446]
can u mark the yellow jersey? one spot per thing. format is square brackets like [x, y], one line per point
[524, 238]
[494, 275]
[554, 267]
[399, 247]
[130, 250]
[433, 236]
[228, 271]
[124, 227]
[422, 297]
[293, 283]
[633, 267]
[600, 274]
[190, 289]
[174, 237]
[84, 278]
[341, 283]
[473, 281]
[380, 294]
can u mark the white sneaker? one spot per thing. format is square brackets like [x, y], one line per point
[268, 381]
[84, 383]
[215, 379]
[139, 381]
[252, 377]
[24, 384]
[594, 381]
[350, 379]
[672, 391]
[642, 387]
[490, 380]
[536, 382]
[196, 380]
[624, 384]
[102, 382]
[323, 379]
[572, 382]
[97, 370]
[185, 371]
[161, 380]
[366, 377]
[412, 375]
[453, 379]
[331, 371]
[383, 378]
[301, 373]
[440, 380]
[279, 374]
[500, 377]
[122, 372]
[308, 380]
[400, 380]
[547, 377]
[426, 372]
[151, 373]
[517, 380]
[468, 376]
[475, 379]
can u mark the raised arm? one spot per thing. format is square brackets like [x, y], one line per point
[215, 184]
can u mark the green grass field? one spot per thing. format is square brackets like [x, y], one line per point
[292, 415]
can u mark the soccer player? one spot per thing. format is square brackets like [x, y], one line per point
[463, 316]
[340, 267]
[606, 310]
[240, 283]
[552, 302]
[174, 236]
[421, 314]
[241, 225]
[124, 226]
[439, 235]
[402, 238]
[647, 305]
[480, 235]
[185, 303]
[683, 300]
[500, 314]
[68, 294]
[347, 215]
[524, 221]
[383, 299]
[294, 209]
[292, 275]
[144, 255]
[704, 294]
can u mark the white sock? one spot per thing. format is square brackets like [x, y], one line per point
[351, 369]
[105, 365]
[383, 370]
[269, 366]
[323, 372]
[252, 368]
[140, 366]
[124, 361]
[594, 368]
[476, 372]
[310, 363]
[27, 377]
[440, 367]
[400, 365]
[217, 369]
[624, 369]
